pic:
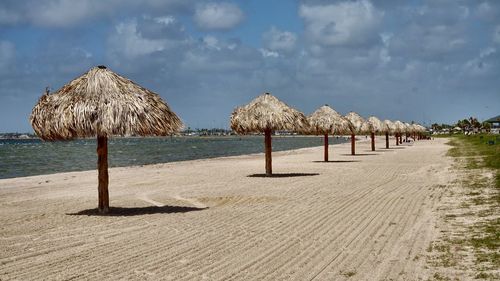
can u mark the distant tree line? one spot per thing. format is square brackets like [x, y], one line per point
[17, 136]
[207, 132]
[470, 124]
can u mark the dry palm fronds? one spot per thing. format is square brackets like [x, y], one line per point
[356, 122]
[102, 103]
[372, 125]
[388, 127]
[399, 127]
[325, 120]
[267, 113]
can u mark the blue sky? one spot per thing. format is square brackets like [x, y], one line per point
[423, 61]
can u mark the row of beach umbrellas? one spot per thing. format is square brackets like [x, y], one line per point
[101, 103]
[266, 114]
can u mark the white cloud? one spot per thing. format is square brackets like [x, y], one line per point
[344, 23]
[166, 20]
[268, 53]
[211, 42]
[486, 11]
[496, 34]
[8, 17]
[218, 16]
[386, 38]
[487, 52]
[277, 40]
[61, 12]
[67, 13]
[131, 44]
[481, 64]
[384, 56]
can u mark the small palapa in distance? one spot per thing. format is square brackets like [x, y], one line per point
[325, 121]
[267, 114]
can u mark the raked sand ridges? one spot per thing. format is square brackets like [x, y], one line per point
[372, 218]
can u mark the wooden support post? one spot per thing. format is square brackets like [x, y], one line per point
[400, 138]
[268, 147]
[353, 144]
[397, 138]
[387, 140]
[326, 147]
[373, 141]
[102, 166]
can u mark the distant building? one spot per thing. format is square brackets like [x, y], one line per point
[495, 124]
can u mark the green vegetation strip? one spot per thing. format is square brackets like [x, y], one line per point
[481, 152]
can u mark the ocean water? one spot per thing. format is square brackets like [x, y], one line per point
[19, 158]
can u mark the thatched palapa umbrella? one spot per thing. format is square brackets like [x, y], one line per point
[388, 128]
[408, 130]
[102, 103]
[374, 126]
[267, 114]
[399, 128]
[420, 131]
[357, 124]
[325, 121]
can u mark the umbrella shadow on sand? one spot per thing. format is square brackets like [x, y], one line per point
[284, 175]
[137, 211]
[337, 161]
[361, 154]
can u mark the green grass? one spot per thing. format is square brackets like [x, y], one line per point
[480, 152]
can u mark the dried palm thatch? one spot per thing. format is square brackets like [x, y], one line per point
[356, 126]
[102, 103]
[407, 130]
[388, 128]
[267, 114]
[373, 125]
[399, 129]
[414, 131]
[356, 122]
[325, 121]
[408, 127]
[419, 131]
[399, 126]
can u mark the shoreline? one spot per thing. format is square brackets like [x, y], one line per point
[176, 161]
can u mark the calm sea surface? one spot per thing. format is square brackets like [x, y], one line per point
[19, 158]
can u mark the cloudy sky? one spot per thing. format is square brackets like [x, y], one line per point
[427, 61]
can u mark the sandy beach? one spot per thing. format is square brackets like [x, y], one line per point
[364, 217]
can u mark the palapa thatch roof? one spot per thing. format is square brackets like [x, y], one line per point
[325, 120]
[102, 103]
[356, 122]
[414, 128]
[388, 127]
[399, 127]
[266, 112]
[421, 128]
[408, 127]
[372, 125]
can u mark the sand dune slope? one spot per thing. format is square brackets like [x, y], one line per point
[366, 217]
